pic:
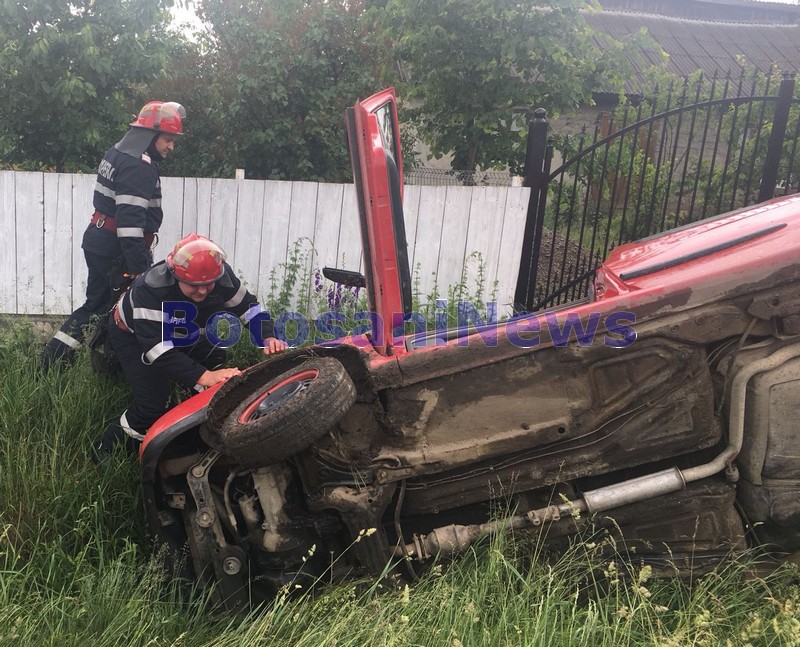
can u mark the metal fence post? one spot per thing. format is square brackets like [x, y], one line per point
[536, 167]
[769, 177]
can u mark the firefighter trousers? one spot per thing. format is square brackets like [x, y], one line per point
[151, 388]
[63, 345]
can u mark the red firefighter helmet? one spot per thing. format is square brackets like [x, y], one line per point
[161, 117]
[196, 260]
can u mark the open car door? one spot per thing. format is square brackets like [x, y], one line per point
[374, 141]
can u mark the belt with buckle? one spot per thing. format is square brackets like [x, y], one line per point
[102, 221]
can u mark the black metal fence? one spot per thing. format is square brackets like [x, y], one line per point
[698, 149]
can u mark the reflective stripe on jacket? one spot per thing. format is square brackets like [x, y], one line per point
[129, 190]
[142, 310]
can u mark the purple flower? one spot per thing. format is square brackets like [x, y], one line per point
[335, 297]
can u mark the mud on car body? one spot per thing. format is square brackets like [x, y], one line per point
[681, 427]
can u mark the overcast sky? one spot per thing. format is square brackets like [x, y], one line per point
[185, 14]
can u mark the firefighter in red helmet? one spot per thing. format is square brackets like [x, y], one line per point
[193, 287]
[127, 215]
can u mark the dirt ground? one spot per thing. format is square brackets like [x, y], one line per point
[560, 261]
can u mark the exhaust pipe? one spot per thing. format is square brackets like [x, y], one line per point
[452, 539]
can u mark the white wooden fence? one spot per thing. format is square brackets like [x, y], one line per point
[43, 216]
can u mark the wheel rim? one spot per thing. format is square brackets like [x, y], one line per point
[278, 395]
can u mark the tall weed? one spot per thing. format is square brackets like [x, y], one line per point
[77, 568]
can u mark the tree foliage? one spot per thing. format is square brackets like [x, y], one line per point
[266, 84]
[477, 69]
[69, 73]
[275, 79]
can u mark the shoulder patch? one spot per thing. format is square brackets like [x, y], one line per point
[146, 158]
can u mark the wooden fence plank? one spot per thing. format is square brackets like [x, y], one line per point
[411, 213]
[173, 227]
[453, 246]
[30, 242]
[302, 221]
[515, 211]
[274, 237]
[189, 215]
[425, 255]
[249, 221]
[59, 243]
[82, 210]
[8, 242]
[483, 240]
[223, 207]
[326, 230]
[197, 211]
[348, 251]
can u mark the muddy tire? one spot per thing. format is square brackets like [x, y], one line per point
[284, 416]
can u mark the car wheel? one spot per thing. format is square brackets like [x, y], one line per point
[287, 414]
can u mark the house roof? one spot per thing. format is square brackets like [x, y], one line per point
[744, 11]
[712, 46]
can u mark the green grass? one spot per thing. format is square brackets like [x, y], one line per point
[76, 567]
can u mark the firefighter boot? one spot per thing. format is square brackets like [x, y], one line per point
[113, 437]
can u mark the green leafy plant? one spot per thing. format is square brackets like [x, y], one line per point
[69, 73]
[276, 80]
[520, 55]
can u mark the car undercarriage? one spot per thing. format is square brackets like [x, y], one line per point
[663, 406]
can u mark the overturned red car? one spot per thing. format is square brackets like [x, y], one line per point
[667, 401]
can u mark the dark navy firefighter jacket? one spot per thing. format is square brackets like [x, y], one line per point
[143, 314]
[128, 190]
